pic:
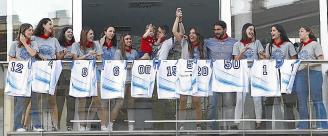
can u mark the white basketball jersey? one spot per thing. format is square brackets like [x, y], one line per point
[230, 76]
[265, 78]
[19, 79]
[83, 79]
[167, 79]
[113, 78]
[186, 71]
[288, 70]
[55, 74]
[143, 78]
[45, 76]
[203, 79]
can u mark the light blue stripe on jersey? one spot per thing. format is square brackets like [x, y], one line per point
[79, 88]
[141, 86]
[227, 82]
[11, 82]
[261, 87]
[166, 88]
[109, 88]
[43, 80]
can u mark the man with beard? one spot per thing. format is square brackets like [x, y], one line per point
[220, 46]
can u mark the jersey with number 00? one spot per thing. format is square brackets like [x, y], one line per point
[187, 73]
[287, 75]
[45, 76]
[265, 78]
[203, 78]
[83, 79]
[113, 79]
[167, 79]
[18, 81]
[143, 78]
[230, 76]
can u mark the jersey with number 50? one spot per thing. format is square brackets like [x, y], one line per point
[230, 76]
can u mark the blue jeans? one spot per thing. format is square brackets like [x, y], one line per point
[19, 109]
[35, 109]
[227, 102]
[302, 91]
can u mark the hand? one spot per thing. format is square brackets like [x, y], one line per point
[65, 51]
[102, 40]
[92, 53]
[178, 13]
[22, 38]
[69, 55]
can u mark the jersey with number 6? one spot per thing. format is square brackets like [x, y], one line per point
[230, 76]
[265, 78]
[143, 78]
[167, 79]
[113, 79]
[83, 79]
[18, 80]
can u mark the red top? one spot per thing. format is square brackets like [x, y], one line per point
[146, 44]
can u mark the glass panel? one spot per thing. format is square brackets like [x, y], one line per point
[153, 113]
[41, 111]
[277, 112]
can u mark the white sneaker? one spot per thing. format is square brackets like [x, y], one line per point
[38, 129]
[21, 130]
[104, 128]
[110, 126]
[181, 128]
[131, 127]
[198, 128]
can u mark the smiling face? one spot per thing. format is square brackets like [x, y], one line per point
[28, 32]
[250, 32]
[48, 27]
[192, 36]
[69, 34]
[128, 40]
[90, 35]
[160, 33]
[219, 31]
[275, 34]
[110, 33]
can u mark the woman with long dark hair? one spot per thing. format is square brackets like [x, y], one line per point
[310, 49]
[66, 39]
[280, 47]
[23, 49]
[49, 49]
[248, 48]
